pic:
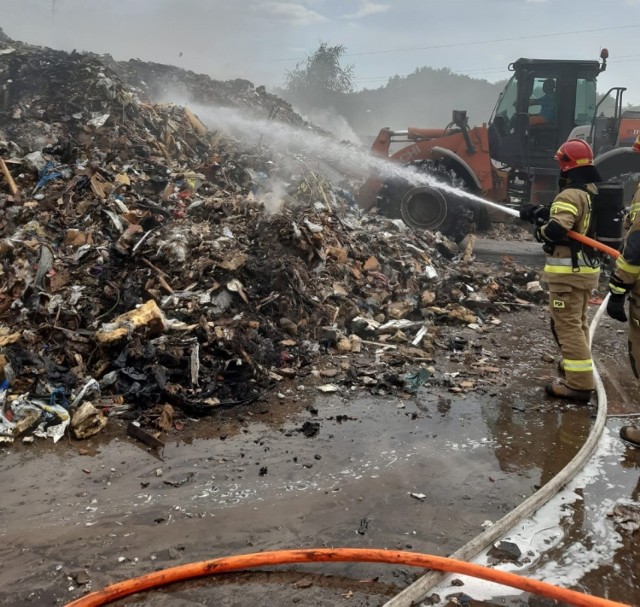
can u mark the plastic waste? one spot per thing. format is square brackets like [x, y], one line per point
[23, 414]
[413, 381]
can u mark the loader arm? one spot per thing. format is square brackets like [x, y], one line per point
[469, 145]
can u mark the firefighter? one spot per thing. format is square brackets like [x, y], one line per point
[625, 280]
[570, 272]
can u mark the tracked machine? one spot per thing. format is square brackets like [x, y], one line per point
[510, 160]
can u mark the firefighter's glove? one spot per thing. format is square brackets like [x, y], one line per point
[550, 234]
[534, 213]
[547, 245]
[615, 307]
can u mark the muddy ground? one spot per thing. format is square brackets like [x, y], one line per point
[79, 515]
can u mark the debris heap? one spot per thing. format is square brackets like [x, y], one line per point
[139, 264]
[159, 82]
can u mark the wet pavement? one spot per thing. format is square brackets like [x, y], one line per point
[575, 541]
[80, 515]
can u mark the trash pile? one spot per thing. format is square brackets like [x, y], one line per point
[160, 82]
[141, 268]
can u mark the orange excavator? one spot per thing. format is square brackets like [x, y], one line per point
[510, 160]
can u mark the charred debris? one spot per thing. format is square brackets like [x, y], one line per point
[149, 272]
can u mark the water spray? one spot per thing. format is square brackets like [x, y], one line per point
[289, 140]
[611, 252]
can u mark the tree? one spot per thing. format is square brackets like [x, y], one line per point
[320, 79]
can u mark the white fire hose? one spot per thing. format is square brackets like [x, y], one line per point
[420, 589]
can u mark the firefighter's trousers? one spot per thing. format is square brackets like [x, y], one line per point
[568, 306]
[634, 335]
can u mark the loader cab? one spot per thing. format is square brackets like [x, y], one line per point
[541, 104]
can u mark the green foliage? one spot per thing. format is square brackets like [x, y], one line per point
[320, 77]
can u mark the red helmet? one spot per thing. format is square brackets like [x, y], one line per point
[636, 145]
[574, 153]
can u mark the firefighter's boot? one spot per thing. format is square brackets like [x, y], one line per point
[631, 435]
[561, 390]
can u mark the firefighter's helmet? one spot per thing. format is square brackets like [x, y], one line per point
[574, 153]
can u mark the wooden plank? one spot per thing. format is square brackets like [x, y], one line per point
[144, 437]
[13, 188]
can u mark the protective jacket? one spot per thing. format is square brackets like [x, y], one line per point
[626, 272]
[625, 278]
[567, 263]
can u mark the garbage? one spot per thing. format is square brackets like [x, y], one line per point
[6, 340]
[44, 420]
[165, 421]
[626, 516]
[134, 430]
[328, 388]
[505, 550]
[140, 266]
[147, 315]
[11, 184]
[310, 429]
[87, 421]
[91, 387]
[413, 381]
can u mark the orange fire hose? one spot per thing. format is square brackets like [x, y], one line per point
[356, 555]
[571, 233]
[593, 243]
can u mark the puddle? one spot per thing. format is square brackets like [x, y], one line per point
[572, 540]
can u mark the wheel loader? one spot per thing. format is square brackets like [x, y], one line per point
[510, 161]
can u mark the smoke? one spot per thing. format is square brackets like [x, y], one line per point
[176, 94]
[330, 120]
[274, 192]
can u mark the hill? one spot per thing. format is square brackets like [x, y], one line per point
[424, 98]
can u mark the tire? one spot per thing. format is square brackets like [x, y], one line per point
[427, 207]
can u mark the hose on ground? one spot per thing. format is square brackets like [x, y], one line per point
[322, 555]
[420, 589]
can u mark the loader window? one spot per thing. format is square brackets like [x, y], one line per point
[506, 108]
[585, 101]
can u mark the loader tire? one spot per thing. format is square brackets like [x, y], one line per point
[425, 207]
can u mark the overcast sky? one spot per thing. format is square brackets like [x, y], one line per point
[261, 39]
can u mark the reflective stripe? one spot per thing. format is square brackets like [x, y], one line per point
[578, 366]
[570, 270]
[563, 261]
[586, 222]
[629, 268]
[616, 290]
[564, 265]
[560, 205]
